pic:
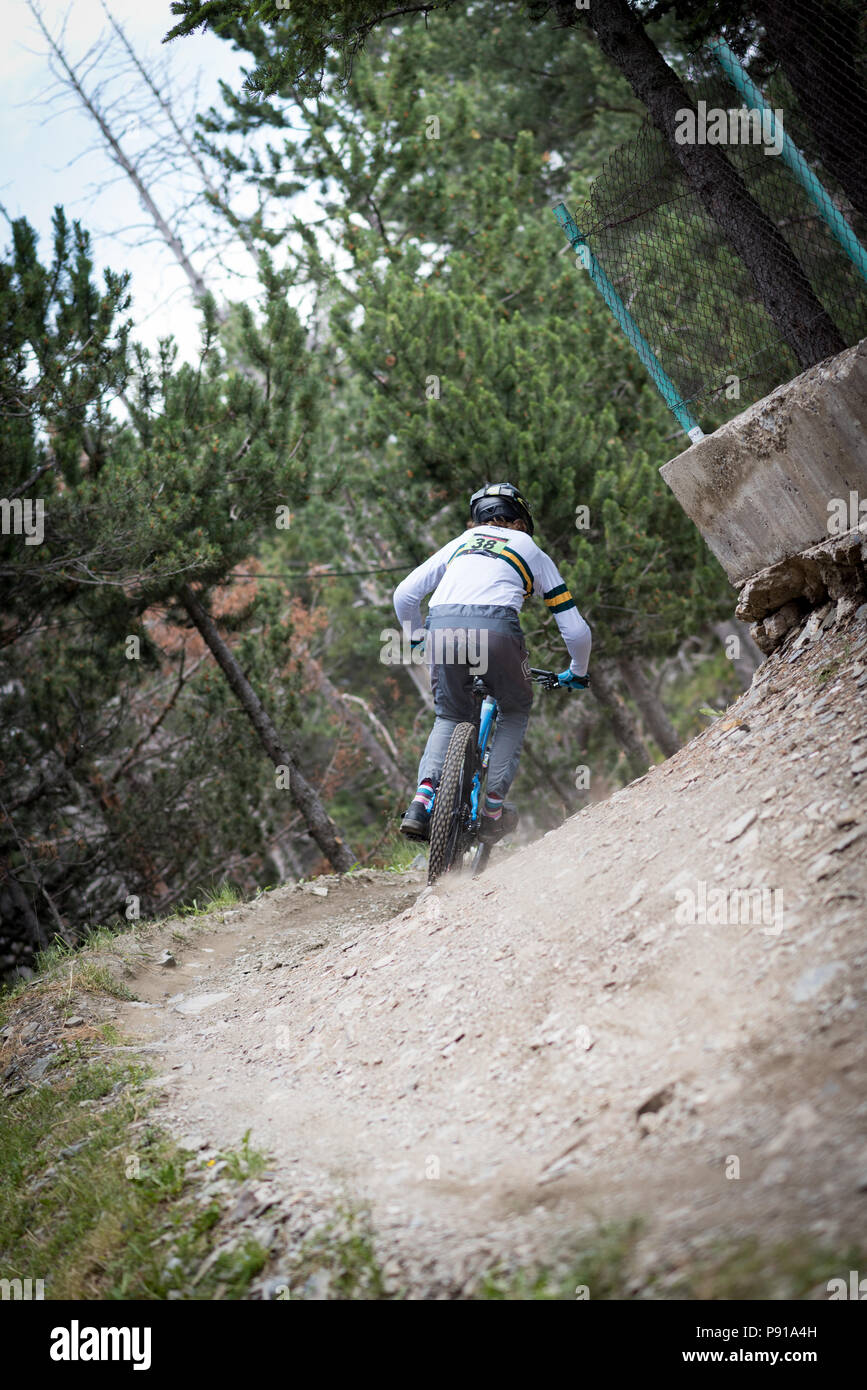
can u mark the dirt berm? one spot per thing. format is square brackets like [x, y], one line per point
[656, 1011]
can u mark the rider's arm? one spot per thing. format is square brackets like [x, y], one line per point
[410, 591]
[573, 629]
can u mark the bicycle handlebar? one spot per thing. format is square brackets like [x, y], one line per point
[548, 679]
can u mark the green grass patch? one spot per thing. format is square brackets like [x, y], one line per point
[217, 900]
[98, 1203]
[395, 854]
[245, 1162]
[827, 673]
[62, 974]
[787, 1270]
[724, 1271]
[340, 1262]
[98, 979]
[598, 1269]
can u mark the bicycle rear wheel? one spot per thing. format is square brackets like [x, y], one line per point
[451, 812]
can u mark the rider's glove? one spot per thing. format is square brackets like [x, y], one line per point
[573, 682]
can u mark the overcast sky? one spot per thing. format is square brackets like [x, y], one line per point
[52, 152]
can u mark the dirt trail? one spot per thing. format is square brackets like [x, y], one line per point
[494, 1067]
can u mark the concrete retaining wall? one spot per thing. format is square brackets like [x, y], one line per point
[759, 488]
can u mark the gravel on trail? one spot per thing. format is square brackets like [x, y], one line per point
[656, 1010]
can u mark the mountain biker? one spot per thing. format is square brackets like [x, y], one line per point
[478, 583]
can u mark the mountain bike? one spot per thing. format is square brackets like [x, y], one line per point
[456, 815]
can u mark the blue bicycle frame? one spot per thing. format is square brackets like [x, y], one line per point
[487, 724]
[460, 831]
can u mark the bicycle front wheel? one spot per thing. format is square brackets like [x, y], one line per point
[451, 812]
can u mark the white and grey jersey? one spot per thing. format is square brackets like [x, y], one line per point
[494, 565]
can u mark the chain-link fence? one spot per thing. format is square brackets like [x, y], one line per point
[688, 292]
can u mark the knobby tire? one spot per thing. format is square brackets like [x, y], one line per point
[453, 794]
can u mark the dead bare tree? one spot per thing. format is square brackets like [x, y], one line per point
[217, 195]
[74, 77]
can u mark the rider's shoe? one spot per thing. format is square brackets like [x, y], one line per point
[416, 823]
[490, 830]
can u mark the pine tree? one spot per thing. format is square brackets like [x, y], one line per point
[489, 358]
[144, 521]
[475, 347]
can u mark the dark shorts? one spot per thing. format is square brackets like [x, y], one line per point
[465, 641]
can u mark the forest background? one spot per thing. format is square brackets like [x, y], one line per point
[194, 695]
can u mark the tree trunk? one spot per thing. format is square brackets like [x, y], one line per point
[650, 707]
[38, 882]
[784, 289]
[376, 752]
[319, 823]
[836, 110]
[623, 725]
[568, 796]
[28, 927]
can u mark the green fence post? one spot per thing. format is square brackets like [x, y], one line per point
[791, 155]
[662, 381]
